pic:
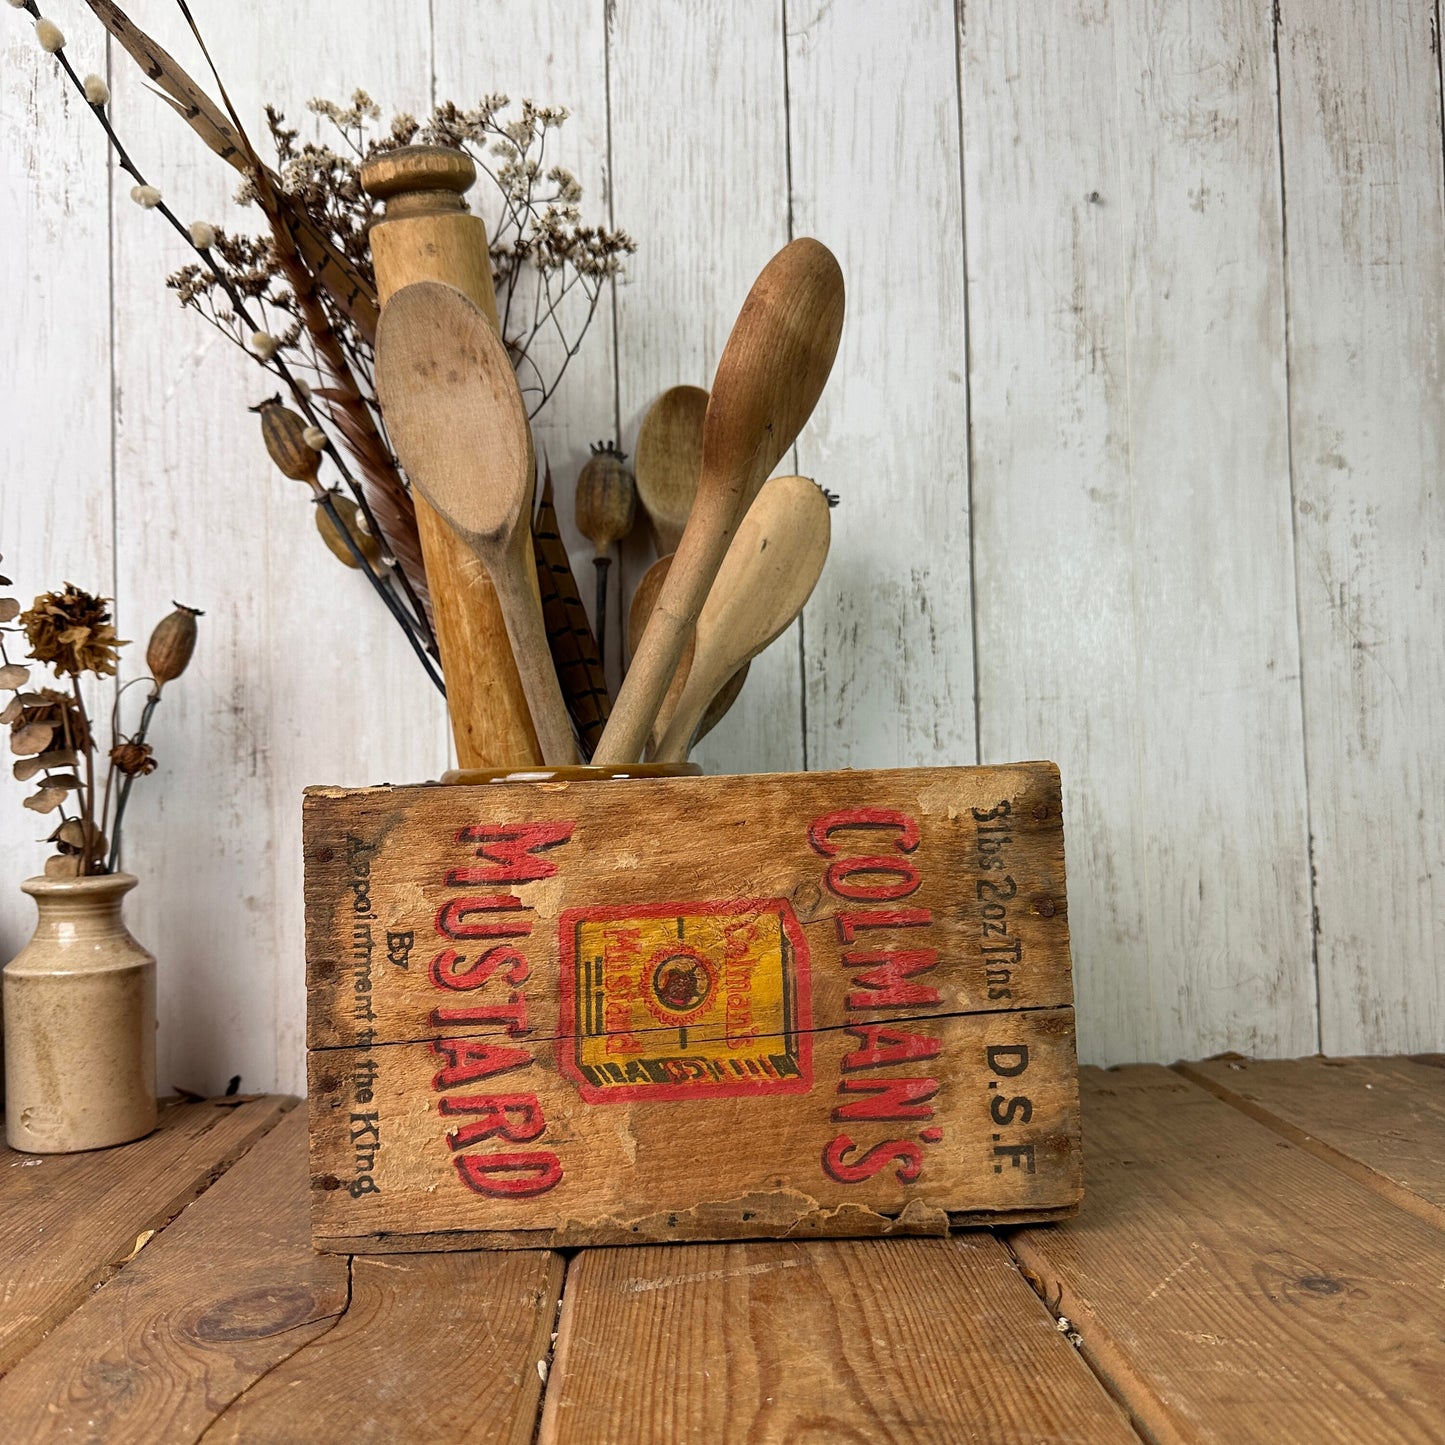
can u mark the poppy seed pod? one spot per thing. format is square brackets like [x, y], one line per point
[169, 651]
[355, 524]
[606, 497]
[285, 434]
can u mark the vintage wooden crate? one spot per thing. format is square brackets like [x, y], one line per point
[603, 1012]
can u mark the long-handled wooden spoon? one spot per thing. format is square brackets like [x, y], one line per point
[644, 599]
[456, 418]
[768, 381]
[669, 462]
[768, 574]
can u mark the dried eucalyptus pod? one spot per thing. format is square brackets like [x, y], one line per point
[168, 653]
[354, 523]
[284, 432]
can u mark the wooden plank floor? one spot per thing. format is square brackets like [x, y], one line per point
[1261, 1256]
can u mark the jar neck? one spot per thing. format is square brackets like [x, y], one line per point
[79, 907]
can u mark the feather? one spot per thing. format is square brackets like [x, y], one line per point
[569, 635]
[345, 284]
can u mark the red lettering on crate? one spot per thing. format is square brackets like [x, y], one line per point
[510, 852]
[510, 1175]
[508, 855]
[904, 1152]
[471, 1059]
[495, 1118]
[881, 978]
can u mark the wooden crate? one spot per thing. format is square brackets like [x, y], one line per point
[693, 1008]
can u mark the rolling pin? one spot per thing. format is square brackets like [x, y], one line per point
[427, 234]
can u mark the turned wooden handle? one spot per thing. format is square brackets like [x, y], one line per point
[427, 234]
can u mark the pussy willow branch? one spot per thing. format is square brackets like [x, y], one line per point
[412, 621]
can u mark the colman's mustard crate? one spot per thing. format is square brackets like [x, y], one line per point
[568, 1012]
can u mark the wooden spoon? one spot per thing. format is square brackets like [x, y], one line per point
[769, 572]
[456, 419]
[669, 461]
[769, 379]
[638, 616]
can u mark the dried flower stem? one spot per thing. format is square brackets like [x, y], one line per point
[87, 793]
[139, 736]
[412, 619]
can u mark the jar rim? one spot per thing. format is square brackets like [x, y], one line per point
[42, 886]
[573, 773]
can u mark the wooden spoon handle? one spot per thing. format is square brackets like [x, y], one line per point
[703, 546]
[697, 693]
[528, 636]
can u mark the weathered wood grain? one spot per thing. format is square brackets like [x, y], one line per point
[1135, 598]
[1360, 119]
[209, 1306]
[432, 1347]
[299, 673]
[67, 1221]
[877, 1340]
[1382, 1121]
[699, 172]
[888, 649]
[1227, 1285]
[702, 1007]
[56, 501]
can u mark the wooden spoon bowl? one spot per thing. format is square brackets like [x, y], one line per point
[771, 374]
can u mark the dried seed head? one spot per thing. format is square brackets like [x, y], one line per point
[606, 497]
[285, 434]
[351, 518]
[97, 92]
[202, 234]
[264, 344]
[168, 653]
[49, 34]
[147, 197]
[134, 759]
[314, 438]
[18, 4]
[72, 632]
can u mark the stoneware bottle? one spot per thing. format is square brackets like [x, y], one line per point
[80, 1022]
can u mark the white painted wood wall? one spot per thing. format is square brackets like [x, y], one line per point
[1137, 423]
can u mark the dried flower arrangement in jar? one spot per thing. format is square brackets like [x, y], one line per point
[81, 993]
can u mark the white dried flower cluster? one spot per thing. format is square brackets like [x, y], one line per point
[18, 4]
[97, 92]
[202, 234]
[362, 108]
[147, 197]
[314, 438]
[264, 345]
[50, 36]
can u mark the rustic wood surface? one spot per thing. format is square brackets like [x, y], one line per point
[207, 1308]
[1382, 1120]
[433, 1347]
[1230, 1285]
[68, 1221]
[856, 1341]
[1223, 1284]
[1360, 110]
